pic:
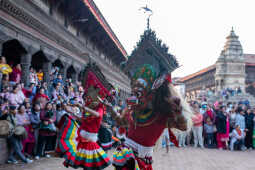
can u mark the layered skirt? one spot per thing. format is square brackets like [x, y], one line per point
[105, 138]
[125, 159]
[78, 151]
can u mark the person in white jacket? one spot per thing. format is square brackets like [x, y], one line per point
[237, 139]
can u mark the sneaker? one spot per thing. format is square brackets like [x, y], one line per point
[29, 161]
[10, 161]
[15, 162]
[37, 157]
[47, 156]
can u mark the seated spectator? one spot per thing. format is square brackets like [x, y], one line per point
[15, 76]
[5, 92]
[16, 97]
[55, 92]
[46, 90]
[23, 119]
[28, 107]
[41, 98]
[4, 67]
[3, 107]
[237, 139]
[15, 142]
[58, 80]
[5, 81]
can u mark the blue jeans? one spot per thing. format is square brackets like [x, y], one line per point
[16, 148]
[210, 140]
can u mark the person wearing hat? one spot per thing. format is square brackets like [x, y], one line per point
[14, 142]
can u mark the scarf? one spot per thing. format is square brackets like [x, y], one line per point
[38, 95]
[210, 114]
[239, 132]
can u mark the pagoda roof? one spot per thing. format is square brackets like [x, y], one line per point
[151, 50]
[100, 18]
[200, 72]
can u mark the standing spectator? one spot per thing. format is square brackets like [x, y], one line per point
[15, 76]
[237, 139]
[46, 131]
[254, 130]
[23, 119]
[46, 89]
[232, 119]
[33, 76]
[249, 124]
[240, 119]
[35, 121]
[197, 127]
[40, 75]
[239, 91]
[222, 124]
[209, 132]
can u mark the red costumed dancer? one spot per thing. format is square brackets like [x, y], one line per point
[78, 144]
[154, 106]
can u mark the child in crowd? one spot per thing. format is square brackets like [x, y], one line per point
[209, 132]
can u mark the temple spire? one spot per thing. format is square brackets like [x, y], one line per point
[233, 45]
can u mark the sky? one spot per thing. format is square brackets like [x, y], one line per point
[194, 30]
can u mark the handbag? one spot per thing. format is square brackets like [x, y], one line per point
[20, 132]
[6, 129]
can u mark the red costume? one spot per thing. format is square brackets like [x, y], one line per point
[152, 108]
[78, 144]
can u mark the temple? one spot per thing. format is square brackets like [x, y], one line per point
[67, 34]
[232, 69]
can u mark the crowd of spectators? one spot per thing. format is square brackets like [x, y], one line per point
[215, 125]
[37, 108]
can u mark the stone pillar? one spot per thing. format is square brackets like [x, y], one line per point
[25, 64]
[46, 71]
[63, 71]
[1, 48]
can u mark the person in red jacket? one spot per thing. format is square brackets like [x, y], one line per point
[15, 76]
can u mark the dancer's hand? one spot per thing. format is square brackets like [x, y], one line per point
[105, 102]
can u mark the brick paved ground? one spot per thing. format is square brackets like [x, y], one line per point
[176, 159]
